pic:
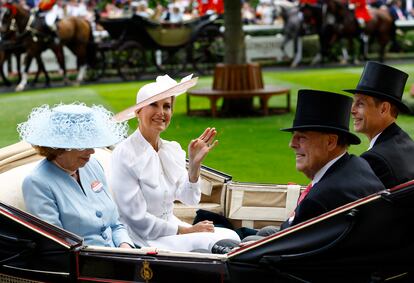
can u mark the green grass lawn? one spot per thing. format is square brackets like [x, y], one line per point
[250, 149]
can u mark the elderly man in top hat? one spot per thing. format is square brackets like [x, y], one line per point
[320, 140]
[377, 103]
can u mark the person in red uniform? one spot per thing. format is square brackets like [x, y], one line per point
[205, 6]
[361, 11]
[46, 5]
[52, 13]
[308, 2]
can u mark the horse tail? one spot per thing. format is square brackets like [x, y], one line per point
[91, 48]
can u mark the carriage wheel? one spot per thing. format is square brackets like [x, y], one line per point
[207, 50]
[97, 71]
[171, 61]
[130, 60]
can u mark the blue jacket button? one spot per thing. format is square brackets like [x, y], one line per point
[99, 214]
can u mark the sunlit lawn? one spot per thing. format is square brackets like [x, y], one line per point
[250, 149]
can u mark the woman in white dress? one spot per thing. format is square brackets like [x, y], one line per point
[149, 174]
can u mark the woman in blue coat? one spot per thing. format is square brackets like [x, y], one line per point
[68, 188]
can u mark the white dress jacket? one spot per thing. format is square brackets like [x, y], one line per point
[146, 183]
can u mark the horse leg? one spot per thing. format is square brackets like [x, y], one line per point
[81, 74]
[36, 78]
[298, 51]
[364, 42]
[382, 53]
[81, 62]
[18, 56]
[3, 76]
[23, 82]
[351, 47]
[42, 68]
[320, 56]
[345, 51]
[58, 50]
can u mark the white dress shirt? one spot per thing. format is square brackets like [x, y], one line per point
[372, 142]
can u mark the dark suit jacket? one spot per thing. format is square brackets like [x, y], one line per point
[348, 179]
[392, 156]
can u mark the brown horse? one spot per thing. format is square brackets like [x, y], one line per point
[10, 46]
[76, 34]
[34, 46]
[73, 32]
[380, 28]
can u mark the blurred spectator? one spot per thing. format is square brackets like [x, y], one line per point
[408, 8]
[140, 8]
[265, 12]
[188, 14]
[173, 14]
[158, 12]
[75, 8]
[248, 13]
[396, 11]
[111, 11]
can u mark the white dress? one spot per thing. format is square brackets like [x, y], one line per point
[145, 184]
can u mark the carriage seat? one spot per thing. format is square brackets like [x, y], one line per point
[17, 160]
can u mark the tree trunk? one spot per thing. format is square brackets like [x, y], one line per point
[234, 54]
[234, 49]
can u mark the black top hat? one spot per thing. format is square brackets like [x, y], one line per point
[323, 111]
[382, 81]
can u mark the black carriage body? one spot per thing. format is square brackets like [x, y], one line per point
[367, 240]
[137, 44]
[104, 266]
[134, 28]
[31, 249]
[155, 35]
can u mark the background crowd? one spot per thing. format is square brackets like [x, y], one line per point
[257, 12]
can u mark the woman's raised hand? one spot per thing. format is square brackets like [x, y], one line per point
[198, 150]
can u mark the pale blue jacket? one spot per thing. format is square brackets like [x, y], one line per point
[54, 196]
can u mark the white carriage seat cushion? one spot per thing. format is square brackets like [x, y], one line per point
[11, 184]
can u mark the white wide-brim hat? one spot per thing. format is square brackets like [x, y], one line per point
[163, 87]
[72, 126]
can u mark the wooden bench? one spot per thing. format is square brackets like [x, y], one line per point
[236, 82]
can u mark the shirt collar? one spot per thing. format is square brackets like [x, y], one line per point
[372, 142]
[322, 171]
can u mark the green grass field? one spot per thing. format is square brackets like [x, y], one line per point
[250, 149]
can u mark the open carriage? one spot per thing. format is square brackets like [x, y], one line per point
[137, 43]
[369, 240]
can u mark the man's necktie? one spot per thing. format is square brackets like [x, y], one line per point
[304, 193]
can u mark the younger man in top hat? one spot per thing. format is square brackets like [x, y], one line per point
[320, 140]
[377, 102]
